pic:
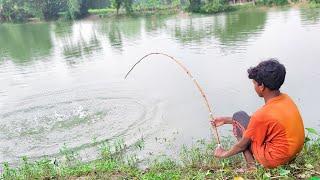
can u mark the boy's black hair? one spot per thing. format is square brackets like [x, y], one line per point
[270, 73]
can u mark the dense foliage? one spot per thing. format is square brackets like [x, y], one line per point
[215, 6]
[315, 1]
[272, 2]
[21, 10]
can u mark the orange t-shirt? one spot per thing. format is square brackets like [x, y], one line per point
[276, 131]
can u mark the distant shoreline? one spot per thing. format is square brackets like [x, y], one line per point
[106, 13]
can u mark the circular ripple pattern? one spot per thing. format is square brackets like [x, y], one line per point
[40, 125]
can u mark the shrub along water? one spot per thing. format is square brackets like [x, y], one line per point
[215, 6]
[19, 11]
[196, 162]
[272, 2]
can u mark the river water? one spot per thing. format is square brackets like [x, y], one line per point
[62, 84]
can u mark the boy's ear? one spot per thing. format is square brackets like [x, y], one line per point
[261, 87]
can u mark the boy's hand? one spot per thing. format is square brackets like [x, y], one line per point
[219, 152]
[219, 121]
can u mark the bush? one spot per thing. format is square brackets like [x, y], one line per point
[215, 7]
[272, 2]
[21, 10]
[128, 6]
[315, 1]
[102, 11]
[194, 5]
[12, 10]
[280, 2]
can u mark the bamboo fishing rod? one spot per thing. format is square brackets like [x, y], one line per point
[213, 128]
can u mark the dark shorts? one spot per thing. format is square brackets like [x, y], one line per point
[240, 123]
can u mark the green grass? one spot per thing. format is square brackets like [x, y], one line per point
[195, 162]
[105, 11]
[137, 10]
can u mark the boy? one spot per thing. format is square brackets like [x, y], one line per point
[274, 134]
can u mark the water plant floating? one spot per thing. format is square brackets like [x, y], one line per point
[214, 128]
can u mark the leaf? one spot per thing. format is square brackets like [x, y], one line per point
[315, 178]
[309, 166]
[312, 131]
[266, 176]
[293, 166]
[302, 176]
[307, 139]
[284, 172]
[208, 173]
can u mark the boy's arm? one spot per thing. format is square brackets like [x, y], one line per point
[240, 146]
[219, 121]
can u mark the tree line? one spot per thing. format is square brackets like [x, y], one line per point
[22, 10]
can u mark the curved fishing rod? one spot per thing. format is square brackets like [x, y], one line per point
[214, 128]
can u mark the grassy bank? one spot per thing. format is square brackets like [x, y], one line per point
[210, 7]
[196, 162]
[107, 12]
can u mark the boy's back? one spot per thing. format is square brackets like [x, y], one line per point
[276, 131]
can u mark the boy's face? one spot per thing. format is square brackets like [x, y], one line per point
[258, 88]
